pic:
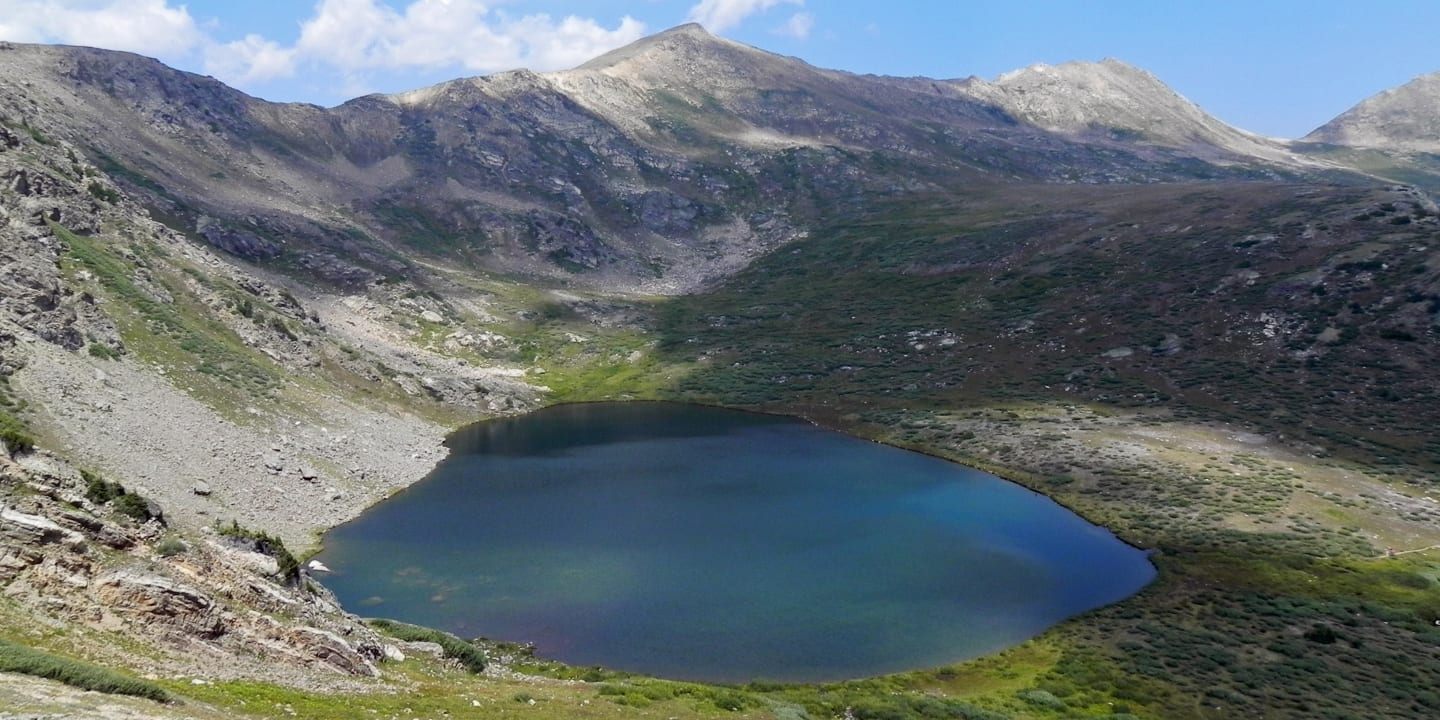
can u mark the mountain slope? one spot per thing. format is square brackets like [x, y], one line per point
[1113, 100]
[658, 167]
[1406, 118]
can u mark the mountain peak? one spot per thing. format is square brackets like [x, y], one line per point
[1079, 73]
[1112, 98]
[1401, 118]
[692, 29]
[681, 40]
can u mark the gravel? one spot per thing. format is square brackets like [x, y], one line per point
[130, 424]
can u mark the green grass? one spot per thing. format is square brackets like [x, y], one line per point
[287, 565]
[467, 654]
[1031, 300]
[27, 661]
[175, 331]
[15, 434]
[14, 431]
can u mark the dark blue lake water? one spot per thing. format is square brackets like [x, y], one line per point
[698, 543]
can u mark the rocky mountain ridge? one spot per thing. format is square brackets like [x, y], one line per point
[1405, 118]
[1113, 100]
[658, 167]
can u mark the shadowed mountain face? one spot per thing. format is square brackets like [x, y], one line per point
[657, 167]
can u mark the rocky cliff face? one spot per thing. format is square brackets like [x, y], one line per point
[1406, 118]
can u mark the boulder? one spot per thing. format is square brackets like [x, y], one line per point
[161, 603]
[18, 529]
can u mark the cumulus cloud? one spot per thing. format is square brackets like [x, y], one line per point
[154, 27]
[798, 26]
[251, 60]
[721, 15]
[365, 34]
[350, 39]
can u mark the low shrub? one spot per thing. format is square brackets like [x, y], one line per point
[1041, 699]
[100, 192]
[471, 657]
[132, 506]
[15, 435]
[101, 491]
[29, 661]
[170, 547]
[267, 544]
[102, 351]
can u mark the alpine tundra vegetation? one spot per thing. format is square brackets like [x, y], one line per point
[227, 325]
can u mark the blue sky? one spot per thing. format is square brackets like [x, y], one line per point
[1276, 67]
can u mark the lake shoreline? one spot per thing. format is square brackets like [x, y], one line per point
[536, 474]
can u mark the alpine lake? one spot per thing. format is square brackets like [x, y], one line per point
[698, 543]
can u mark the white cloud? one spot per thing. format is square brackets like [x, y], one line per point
[349, 41]
[354, 35]
[573, 40]
[153, 27]
[798, 26]
[251, 60]
[721, 15]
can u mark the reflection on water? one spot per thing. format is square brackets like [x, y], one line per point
[699, 543]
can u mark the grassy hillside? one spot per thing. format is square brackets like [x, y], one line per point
[1304, 311]
[1236, 377]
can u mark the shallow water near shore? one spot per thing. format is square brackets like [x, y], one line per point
[698, 543]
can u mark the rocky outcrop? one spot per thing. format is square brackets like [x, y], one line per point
[65, 566]
[157, 603]
[23, 541]
[45, 185]
[236, 242]
[20, 530]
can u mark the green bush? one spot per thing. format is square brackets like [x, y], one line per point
[1041, 699]
[28, 661]
[101, 491]
[98, 490]
[170, 547]
[279, 325]
[466, 653]
[132, 506]
[101, 192]
[731, 701]
[13, 432]
[1322, 634]
[267, 544]
[102, 351]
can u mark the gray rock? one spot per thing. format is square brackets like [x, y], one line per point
[25, 529]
